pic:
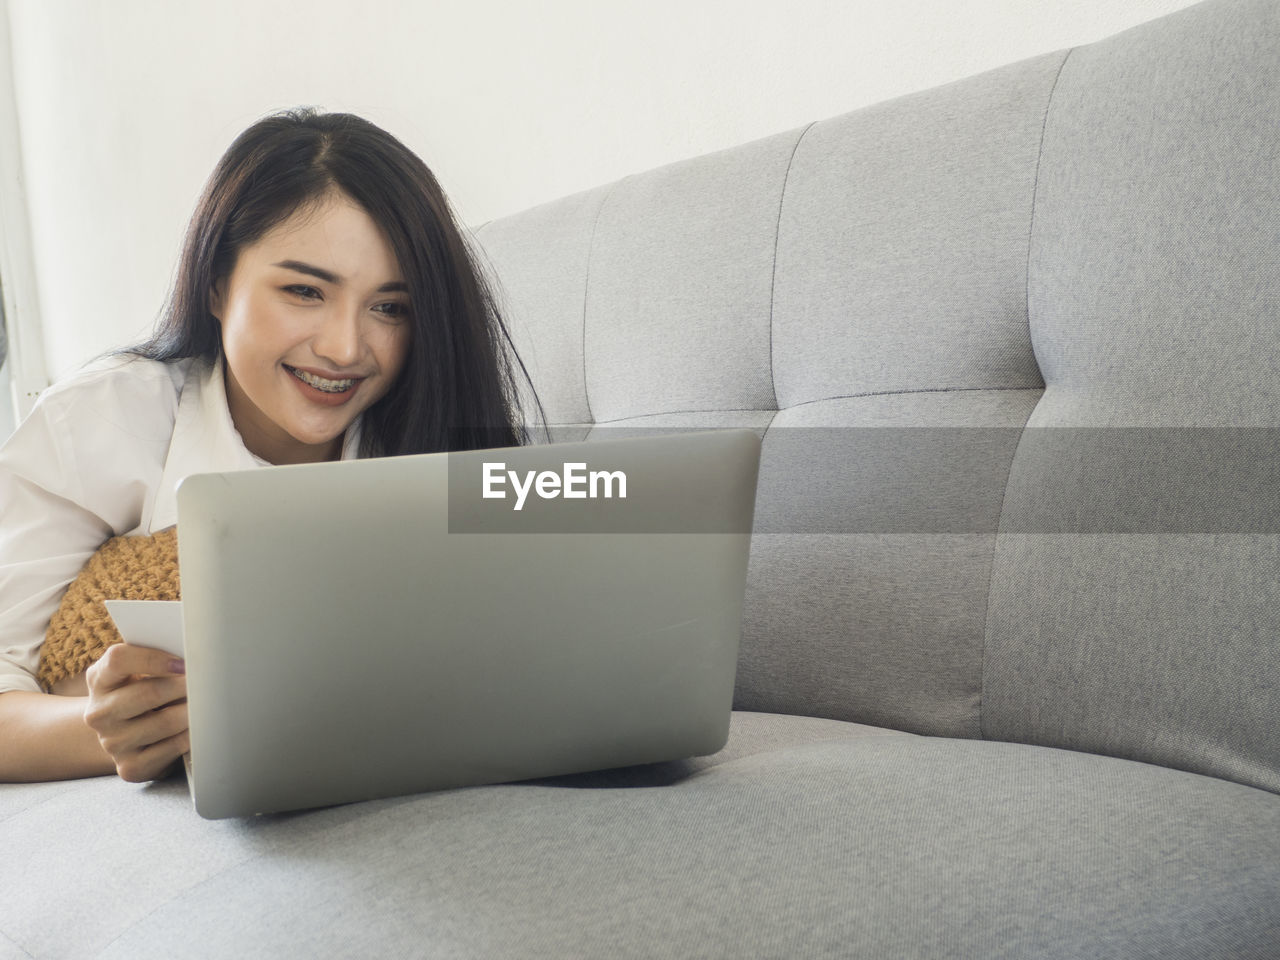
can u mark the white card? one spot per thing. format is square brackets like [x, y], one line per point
[149, 623]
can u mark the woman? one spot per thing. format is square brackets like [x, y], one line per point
[326, 306]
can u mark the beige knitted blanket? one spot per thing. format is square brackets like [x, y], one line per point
[124, 568]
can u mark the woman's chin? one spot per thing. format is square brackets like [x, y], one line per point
[316, 441]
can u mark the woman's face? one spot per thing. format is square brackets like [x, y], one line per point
[315, 329]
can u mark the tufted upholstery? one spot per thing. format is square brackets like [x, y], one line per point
[1084, 239]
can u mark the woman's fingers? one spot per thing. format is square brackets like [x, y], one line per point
[133, 699]
[137, 706]
[144, 748]
[153, 761]
[122, 661]
[119, 731]
[158, 740]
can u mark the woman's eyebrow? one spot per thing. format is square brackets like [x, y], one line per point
[328, 276]
[318, 272]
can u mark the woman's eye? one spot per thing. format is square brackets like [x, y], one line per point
[393, 309]
[303, 291]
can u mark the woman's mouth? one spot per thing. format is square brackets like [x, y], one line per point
[323, 384]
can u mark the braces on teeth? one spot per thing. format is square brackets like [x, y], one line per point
[320, 383]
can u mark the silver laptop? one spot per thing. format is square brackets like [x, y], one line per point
[372, 628]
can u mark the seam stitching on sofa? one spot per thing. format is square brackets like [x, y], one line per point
[586, 292]
[1035, 191]
[176, 896]
[36, 805]
[895, 393]
[773, 273]
[17, 946]
[667, 413]
[843, 396]
[1004, 496]
[991, 578]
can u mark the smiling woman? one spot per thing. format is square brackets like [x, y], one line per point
[315, 330]
[325, 306]
[300, 191]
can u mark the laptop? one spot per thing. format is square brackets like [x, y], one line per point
[372, 628]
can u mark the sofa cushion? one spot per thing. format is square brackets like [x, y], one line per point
[893, 846]
[879, 283]
[1153, 312]
[679, 283]
[867, 272]
[866, 595]
[544, 257]
[86, 860]
[902, 243]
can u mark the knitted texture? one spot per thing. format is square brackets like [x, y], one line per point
[124, 568]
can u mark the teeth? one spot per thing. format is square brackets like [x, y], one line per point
[320, 383]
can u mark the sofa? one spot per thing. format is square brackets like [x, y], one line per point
[1009, 680]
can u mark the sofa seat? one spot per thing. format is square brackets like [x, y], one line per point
[803, 838]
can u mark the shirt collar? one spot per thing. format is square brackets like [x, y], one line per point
[205, 439]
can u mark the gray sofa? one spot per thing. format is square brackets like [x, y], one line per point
[1010, 677]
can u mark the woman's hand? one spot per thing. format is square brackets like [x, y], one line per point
[138, 708]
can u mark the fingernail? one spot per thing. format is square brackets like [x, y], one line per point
[177, 666]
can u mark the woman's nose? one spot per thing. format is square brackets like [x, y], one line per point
[338, 339]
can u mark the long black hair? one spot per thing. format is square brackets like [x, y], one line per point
[459, 388]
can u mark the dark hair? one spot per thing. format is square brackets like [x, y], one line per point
[458, 388]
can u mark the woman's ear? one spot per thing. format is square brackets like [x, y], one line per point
[216, 294]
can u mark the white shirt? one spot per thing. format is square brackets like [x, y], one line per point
[100, 455]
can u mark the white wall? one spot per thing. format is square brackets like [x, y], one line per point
[124, 105]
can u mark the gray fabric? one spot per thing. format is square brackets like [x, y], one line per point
[540, 260]
[559, 433]
[11, 951]
[14, 799]
[903, 242]
[750, 733]
[1160, 647]
[85, 860]
[81, 865]
[875, 846]
[831, 629]
[1142, 479]
[686, 317]
[1154, 271]
[679, 286]
[1154, 285]
[880, 628]
[659, 423]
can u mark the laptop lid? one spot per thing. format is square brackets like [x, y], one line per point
[371, 628]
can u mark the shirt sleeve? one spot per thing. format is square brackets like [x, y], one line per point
[76, 472]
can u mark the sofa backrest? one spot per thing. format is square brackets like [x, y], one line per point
[1154, 284]
[922, 306]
